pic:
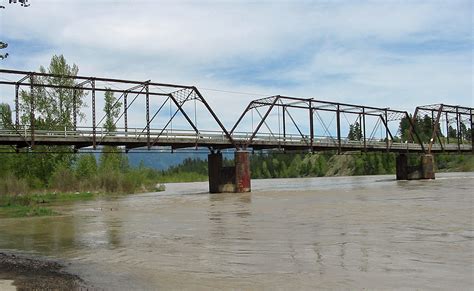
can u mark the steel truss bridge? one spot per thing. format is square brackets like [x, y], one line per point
[276, 121]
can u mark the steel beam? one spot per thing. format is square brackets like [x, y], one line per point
[17, 107]
[386, 129]
[363, 122]
[458, 129]
[447, 128]
[74, 109]
[97, 89]
[338, 124]
[311, 130]
[93, 115]
[284, 124]
[125, 115]
[32, 111]
[435, 127]
[110, 80]
[472, 130]
[147, 116]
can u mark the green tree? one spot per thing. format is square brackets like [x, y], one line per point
[53, 111]
[112, 110]
[5, 116]
[404, 128]
[465, 132]
[86, 166]
[3, 45]
[452, 133]
[54, 107]
[265, 172]
[355, 131]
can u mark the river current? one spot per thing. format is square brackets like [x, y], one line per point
[333, 233]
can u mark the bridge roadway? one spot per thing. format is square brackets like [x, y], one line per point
[177, 139]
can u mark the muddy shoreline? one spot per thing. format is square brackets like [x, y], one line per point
[37, 273]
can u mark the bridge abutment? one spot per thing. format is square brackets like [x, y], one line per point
[229, 179]
[424, 170]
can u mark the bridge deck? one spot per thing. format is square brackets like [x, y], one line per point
[189, 139]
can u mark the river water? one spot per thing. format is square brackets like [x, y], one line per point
[341, 232]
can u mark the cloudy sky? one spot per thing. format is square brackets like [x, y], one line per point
[397, 54]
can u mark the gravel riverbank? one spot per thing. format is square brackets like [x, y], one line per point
[36, 273]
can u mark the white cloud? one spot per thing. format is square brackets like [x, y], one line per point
[381, 53]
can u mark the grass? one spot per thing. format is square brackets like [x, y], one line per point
[35, 204]
[32, 205]
[25, 211]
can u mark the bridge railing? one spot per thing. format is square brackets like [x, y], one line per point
[209, 136]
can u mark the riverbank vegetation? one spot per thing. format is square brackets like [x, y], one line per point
[33, 178]
[29, 179]
[325, 164]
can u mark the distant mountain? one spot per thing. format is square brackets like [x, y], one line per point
[164, 159]
[161, 160]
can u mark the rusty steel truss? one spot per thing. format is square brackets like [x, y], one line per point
[446, 114]
[178, 94]
[158, 95]
[313, 106]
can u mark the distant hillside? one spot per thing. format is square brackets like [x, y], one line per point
[277, 165]
[163, 160]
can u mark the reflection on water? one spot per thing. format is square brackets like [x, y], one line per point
[342, 232]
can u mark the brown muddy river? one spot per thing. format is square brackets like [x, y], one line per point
[344, 232]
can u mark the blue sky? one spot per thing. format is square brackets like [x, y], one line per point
[390, 53]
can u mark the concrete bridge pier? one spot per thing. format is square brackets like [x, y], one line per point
[424, 170]
[229, 179]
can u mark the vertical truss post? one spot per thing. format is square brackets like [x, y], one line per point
[447, 128]
[125, 112]
[386, 130]
[311, 125]
[147, 116]
[432, 117]
[458, 127]
[74, 109]
[338, 119]
[435, 127]
[93, 114]
[363, 124]
[32, 111]
[17, 107]
[284, 123]
[472, 130]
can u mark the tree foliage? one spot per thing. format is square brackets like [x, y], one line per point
[54, 107]
[355, 131]
[424, 126]
[112, 110]
[5, 116]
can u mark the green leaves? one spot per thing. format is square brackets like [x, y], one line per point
[54, 107]
[5, 116]
[112, 110]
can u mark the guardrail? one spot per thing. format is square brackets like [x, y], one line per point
[209, 137]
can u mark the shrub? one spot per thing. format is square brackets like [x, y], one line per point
[11, 185]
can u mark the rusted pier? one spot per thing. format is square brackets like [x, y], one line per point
[229, 179]
[424, 170]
